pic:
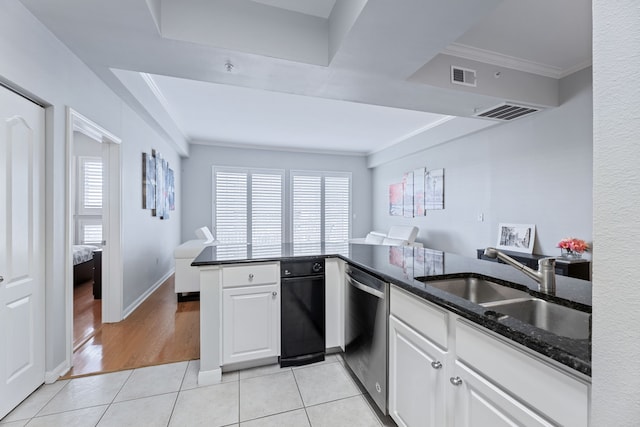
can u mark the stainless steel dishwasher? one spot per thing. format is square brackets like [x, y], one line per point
[367, 338]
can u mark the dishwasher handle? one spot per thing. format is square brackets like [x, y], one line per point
[368, 289]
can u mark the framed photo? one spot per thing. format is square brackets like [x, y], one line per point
[516, 237]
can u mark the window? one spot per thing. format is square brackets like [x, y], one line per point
[90, 231]
[320, 209]
[248, 206]
[90, 186]
[89, 201]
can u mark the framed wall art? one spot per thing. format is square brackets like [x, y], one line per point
[516, 237]
[158, 185]
[434, 190]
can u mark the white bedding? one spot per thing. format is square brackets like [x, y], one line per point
[82, 253]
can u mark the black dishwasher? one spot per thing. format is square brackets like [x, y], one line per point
[302, 304]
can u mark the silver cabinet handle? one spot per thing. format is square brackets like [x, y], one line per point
[436, 364]
[456, 381]
[274, 293]
[251, 276]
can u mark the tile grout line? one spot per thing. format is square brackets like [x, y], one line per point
[304, 406]
[175, 402]
[46, 403]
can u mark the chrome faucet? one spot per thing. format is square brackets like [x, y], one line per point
[545, 276]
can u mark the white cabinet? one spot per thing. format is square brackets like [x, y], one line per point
[417, 379]
[478, 402]
[250, 312]
[417, 360]
[482, 379]
[536, 389]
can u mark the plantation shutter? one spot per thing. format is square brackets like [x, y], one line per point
[321, 210]
[91, 185]
[336, 213]
[248, 206]
[307, 209]
[266, 209]
[91, 232]
[231, 207]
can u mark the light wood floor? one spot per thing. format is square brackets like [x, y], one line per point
[87, 314]
[159, 331]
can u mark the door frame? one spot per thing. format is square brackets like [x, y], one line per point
[112, 292]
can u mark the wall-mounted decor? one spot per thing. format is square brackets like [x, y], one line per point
[148, 181]
[516, 237]
[407, 208]
[419, 177]
[158, 185]
[434, 189]
[396, 192]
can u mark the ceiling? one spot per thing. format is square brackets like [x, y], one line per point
[351, 76]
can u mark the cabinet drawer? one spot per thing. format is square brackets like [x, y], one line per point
[424, 317]
[559, 395]
[250, 275]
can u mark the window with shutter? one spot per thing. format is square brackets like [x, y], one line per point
[89, 201]
[91, 185]
[248, 206]
[321, 206]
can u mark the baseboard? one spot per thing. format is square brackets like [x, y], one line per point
[52, 376]
[213, 376]
[146, 295]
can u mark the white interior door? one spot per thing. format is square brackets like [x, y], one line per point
[22, 306]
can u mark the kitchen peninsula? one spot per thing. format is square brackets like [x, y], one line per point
[399, 266]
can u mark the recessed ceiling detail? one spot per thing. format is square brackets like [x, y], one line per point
[294, 30]
[215, 113]
[319, 8]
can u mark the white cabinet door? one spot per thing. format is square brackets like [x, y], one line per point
[479, 403]
[251, 323]
[417, 378]
[22, 210]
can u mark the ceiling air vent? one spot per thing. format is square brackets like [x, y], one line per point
[506, 112]
[463, 76]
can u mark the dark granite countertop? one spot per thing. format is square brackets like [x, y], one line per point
[400, 265]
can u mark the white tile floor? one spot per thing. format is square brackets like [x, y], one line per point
[322, 394]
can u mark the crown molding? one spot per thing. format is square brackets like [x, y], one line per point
[495, 58]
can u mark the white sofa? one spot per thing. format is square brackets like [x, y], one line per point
[187, 278]
[398, 235]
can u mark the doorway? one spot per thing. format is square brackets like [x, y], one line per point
[88, 170]
[103, 228]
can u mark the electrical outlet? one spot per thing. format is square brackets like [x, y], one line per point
[480, 217]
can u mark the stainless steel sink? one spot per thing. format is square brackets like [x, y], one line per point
[478, 291]
[555, 318]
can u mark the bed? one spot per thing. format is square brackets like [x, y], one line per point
[84, 263]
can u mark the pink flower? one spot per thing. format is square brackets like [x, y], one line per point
[573, 245]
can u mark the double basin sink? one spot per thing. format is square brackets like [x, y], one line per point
[502, 301]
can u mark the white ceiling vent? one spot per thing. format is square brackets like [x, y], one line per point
[506, 112]
[463, 76]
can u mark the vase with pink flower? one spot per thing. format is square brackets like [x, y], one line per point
[572, 248]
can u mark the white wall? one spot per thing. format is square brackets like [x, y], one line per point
[197, 204]
[616, 193]
[535, 170]
[35, 62]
